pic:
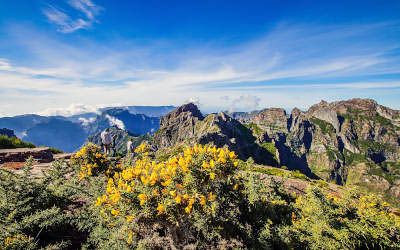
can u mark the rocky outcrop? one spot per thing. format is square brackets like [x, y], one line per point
[178, 125]
[323, 112]
[22, 154]
[330, 138]
[186, 124]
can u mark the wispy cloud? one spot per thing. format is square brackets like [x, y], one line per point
[83, 15]
[291, 65]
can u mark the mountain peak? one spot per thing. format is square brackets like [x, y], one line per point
[191, 108]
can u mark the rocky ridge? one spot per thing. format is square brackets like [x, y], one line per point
[186, 124]
[330, 139]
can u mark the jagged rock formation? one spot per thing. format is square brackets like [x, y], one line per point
[331, 139]
[186, 124]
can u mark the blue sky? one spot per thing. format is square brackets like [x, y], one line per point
[68, 56]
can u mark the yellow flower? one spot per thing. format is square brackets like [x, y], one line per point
[236, 187]
[211, 196]
[212, 163]
[142, 198]
[129, 240]
[166, 183]
[155, 192]
[160, 208]
[172, 193]
[129, 218]
[205, 165]
[203, 200]
[144, 180]
[212, 175]
[188, 209]
[153, 178]
[178, 199]
[191, 201]
[115, 212]
[235, 163]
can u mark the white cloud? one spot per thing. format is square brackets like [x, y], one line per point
[194, 100]
[242, 103]
[66, 22]
[130, 74]
[115, 122]
[73, 109]
[87, 121]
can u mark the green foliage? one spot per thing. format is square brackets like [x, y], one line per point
[270, 147]
[55, 151]
[347, 221]
[13, 142]
[353, 158]
[254, 128]
[375, 146]
[37, 213]
[277, 172]
[246, 210]
[326, 127]
[383, 121]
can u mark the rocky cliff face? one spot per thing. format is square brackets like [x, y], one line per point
[186, 124]
[334, 140]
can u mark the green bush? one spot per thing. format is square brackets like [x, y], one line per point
[13, 142]
[347, 221]
[191, 203]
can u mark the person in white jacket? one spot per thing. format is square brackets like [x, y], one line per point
[106, 140]
[130, 149]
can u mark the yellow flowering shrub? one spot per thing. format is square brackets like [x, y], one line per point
[90, 160]
[347, 221]
[196, 181]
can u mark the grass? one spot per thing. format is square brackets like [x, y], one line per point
[55, 150]
[255, 128]
[13, 142]
[270, 147]
[375, 146]
[351, 158]
[326, 127]
[278, 172]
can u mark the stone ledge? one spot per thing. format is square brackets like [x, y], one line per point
[22, 154]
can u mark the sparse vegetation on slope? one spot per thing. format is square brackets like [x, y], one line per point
[13, 142]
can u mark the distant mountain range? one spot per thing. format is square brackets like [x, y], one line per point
[69, 133]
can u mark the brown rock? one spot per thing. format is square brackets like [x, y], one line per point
[22, 154]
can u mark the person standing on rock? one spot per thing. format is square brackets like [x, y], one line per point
[106, 140]
[130, 149]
